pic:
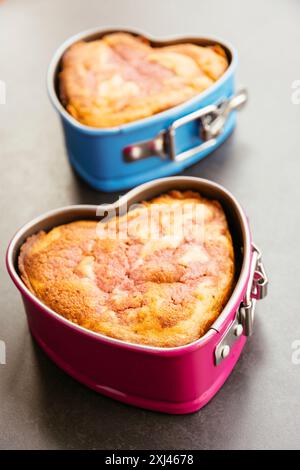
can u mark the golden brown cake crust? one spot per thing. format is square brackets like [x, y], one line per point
[161, 286]
[120, 78]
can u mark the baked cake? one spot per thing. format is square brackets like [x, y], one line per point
[121, 78]
[161, 286]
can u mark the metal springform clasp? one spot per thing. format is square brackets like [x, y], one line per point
[257, 289]
[212, 120]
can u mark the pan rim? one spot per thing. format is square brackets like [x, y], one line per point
[172, 112]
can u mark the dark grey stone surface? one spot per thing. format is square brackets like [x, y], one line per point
[258, 407]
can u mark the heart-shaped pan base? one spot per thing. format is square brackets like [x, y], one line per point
[164, 144]
[172, 380]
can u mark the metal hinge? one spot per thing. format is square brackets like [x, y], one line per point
[212, 120]
[257, 289]
[242, 324]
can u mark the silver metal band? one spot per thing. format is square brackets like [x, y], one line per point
[243, 322]
[212, 120]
